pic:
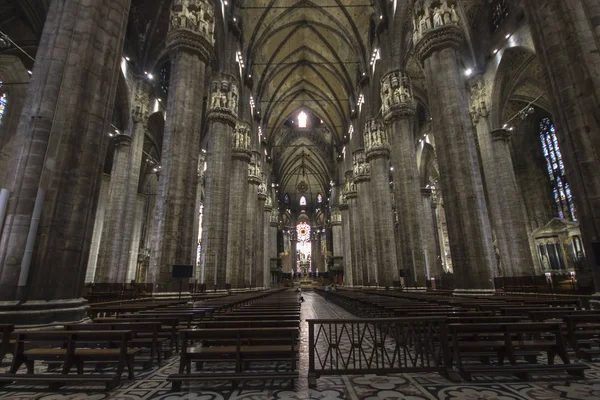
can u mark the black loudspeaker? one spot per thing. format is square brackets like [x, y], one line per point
[182, 271]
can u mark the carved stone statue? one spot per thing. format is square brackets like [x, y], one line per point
[445, 10]
[233, 99]
[215, 95]
[453, 14]
[438, 20]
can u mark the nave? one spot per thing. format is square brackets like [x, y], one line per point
[152, 383]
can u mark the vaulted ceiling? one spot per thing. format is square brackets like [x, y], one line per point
[304, 55]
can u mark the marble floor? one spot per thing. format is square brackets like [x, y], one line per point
[152, 384]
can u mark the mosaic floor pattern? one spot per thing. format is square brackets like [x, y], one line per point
[152, 384]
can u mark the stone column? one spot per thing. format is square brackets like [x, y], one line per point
[513, 222]
[566, 35]
[260, 237]
[267, 240]
[467, 216]
[240, 158]
[378, 154]
[190, 49]
[249, 261]
[273, 227]
[336, 232]
[430, 236]
[293, 258]
[315, 250]
[115, 245]
[346, 242]
[362, 178]
[222, 118]
[505, 208]
[355, 231]
[56, 163]
[398, 110]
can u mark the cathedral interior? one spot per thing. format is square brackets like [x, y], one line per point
[347, 150]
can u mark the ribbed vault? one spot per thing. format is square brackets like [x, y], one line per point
[305, 56]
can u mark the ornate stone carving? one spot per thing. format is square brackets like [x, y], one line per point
[254, 172]
[241, 136]
[501, 134]
[478, 97]
[349, 191]
[336, 216]
[274, 217]
[376, 139]
[360, 167]
[191, 28]
[268, 202]
[429, 15]
[430, 35]
[223, 99]
[141, 102]
[396, 95]
[194, 15]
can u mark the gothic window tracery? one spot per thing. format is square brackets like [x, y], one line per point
[499, 13]
[302, 201]
[556, 170]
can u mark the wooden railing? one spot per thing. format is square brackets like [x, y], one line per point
[377, 346]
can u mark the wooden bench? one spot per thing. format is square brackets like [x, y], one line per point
[512, 341]
[145, 335]
[168, 329]
[583, 333]
[5, 345]
[70, 348]
[241, 352]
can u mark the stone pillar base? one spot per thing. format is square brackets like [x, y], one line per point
[42, 313]
[473, 292]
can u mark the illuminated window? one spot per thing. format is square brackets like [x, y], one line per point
[302, 201]
[319, 198]
[302, 119]
[556, 170]
[2, 103]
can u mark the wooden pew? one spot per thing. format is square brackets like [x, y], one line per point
[70, 348]
[145, 335]
[518, 341]
[168, 328]
[583, 333]
[241, 352]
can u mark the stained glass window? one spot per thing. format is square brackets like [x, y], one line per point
[302, 201]
[2, 103]
[165, 73]
[303, 247]
[319, 198]
[499, 13]
[556, 170]
[286, 198]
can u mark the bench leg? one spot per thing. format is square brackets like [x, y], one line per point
[29, 364]
[176, 386]
[130, 367]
